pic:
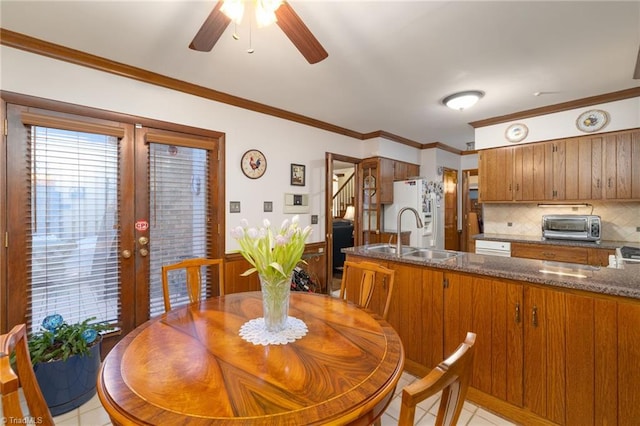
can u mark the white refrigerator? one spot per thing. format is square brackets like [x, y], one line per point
[414, 193]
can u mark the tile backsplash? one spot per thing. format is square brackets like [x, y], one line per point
[620, 221]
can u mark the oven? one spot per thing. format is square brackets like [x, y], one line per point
[571, 227]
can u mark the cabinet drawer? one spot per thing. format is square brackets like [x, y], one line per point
[548, 252]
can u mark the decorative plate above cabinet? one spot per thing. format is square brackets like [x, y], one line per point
[592, 120]
[516, 132]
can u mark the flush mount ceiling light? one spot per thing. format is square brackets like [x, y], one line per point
[463, 100]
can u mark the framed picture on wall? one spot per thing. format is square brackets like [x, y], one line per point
[297, 175]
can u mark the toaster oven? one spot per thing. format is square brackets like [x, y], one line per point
[571, 227]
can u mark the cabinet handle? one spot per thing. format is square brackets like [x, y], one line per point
[517, 187]
[598, 183]
[548, 254]
[534, 316]
[509, 187]
[445, 283]
[517, 313]
[609, 182]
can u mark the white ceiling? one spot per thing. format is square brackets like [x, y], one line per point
[390, 62]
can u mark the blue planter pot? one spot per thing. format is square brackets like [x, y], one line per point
[66, 385]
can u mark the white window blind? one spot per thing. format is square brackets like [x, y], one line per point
[73, 240]
[179, 220]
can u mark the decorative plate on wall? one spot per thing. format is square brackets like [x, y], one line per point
[516, 132]
[253, 164]
[592, 120]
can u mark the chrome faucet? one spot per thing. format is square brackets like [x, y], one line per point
[418, 223]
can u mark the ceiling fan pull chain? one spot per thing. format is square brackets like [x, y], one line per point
[250, 49]
[235, 32]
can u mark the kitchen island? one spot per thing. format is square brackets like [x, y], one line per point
[557, 342]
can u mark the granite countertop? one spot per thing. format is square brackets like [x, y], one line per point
[604, 244]
[616, 282]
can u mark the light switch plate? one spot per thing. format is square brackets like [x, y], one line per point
[314, 219]
[234, 206]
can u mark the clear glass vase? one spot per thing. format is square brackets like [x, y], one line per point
[275, 302]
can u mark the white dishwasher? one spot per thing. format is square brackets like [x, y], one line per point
[493, 248]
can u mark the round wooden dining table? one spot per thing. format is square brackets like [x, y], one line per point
[190, 366]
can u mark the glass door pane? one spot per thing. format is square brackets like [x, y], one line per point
[72, 253]
[178, 217]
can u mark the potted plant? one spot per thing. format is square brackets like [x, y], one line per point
[66, 359]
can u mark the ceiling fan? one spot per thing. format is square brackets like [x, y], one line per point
[287, 20]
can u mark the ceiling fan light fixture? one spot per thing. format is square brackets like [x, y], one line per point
[266, 12]
[234, 9]
[463, 100]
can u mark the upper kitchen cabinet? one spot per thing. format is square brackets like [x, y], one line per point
[588, 168]
[404, 171]
[621, 165]
[375, 180]
[529, 168]
[495, 174]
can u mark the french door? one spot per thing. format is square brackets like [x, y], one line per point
[95, 208]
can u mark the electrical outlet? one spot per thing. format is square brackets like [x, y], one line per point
[234, 206]
[314, 219]
[637, 228]
[509, 223]
[268, 206]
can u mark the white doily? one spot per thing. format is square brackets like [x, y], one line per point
[255, 331]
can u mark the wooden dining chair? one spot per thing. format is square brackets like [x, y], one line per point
[193, 269]
[451, 377]
[370, 274]
[16, 340]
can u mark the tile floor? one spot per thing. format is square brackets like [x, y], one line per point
[92, 413]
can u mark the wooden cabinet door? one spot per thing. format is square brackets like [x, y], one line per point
[385, 177]
[589, 169]
[555, 170]
[432, 318]
[404, 171]
[413, 170]
[529, 172]
[399, 170]
[635, 164]
[406, 308]
[507, 341]
[492, 310]
[572, 169]
[544, 355]
[627, 364]
[495, 174]
[591, 361]
[621, 168]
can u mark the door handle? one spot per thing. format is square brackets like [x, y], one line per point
[126, 254]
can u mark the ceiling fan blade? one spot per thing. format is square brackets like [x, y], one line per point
[299, 34]
[636, 73]
[211, 30]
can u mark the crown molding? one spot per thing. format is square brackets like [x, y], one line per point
[55, 51]
[77, 57]
[564, 106]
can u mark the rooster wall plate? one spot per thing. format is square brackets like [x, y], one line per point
[253, 164]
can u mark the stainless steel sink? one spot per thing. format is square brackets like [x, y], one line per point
[414, 252]
[431, 254]
[387, 249]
